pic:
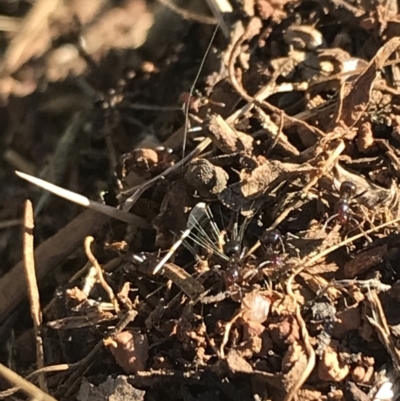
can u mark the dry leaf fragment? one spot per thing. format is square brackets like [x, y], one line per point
[226, 138]
[330, 367]
[255, 182]
[238, 364]
[130, 350]
[256, 307]
[365, 261]
[355, 96]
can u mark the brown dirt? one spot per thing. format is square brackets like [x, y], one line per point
[293, 154]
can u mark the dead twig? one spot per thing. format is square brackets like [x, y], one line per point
[33, 291]
[242, 92]
[227, 330]
[378, 320]
[88, 242]
[308, 263]
[307, 344]
[29, 388]
[84, 201]
[80, 368]
[48, 369]
[83, 366]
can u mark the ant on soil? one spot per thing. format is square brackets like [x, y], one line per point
[343, 212]
[272, 243]
[347, 192]
[203, 230]
[231, 250]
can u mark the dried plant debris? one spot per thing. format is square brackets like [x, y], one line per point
[112, 389]
[249, 168]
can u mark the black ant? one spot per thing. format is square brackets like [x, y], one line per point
[272, 243]
[343, 211]
[231, 251]
[234, 250]
[347, 193]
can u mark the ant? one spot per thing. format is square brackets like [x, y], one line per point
[230, 250]
[343, 212]
[347, 192]
[234, 250]
[272, 243]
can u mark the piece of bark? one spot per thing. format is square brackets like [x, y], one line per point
[226, 138]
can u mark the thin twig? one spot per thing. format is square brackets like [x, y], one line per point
[83, 365]
[103, 282]
[380, 323]
[80, 369]
[307, 263]
[228, 327]
[34, 392]
[304, 333]
[33, 291]
[47, 369]
[261, 103]
[192, 88]
[307, 344]
[10, 223]
[10, 24]
[203, 19]
[129, 218]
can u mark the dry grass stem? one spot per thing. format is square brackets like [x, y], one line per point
[84, 201]
[33, 25]
[48, 369]
[33, 290]
[88, 243]
[27, 387]
[203, 19]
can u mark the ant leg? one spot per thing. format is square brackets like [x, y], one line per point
[282, 244]
[360, 194]
[328, 221]
[359, 226]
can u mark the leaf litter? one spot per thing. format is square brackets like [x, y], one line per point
[259, 264]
